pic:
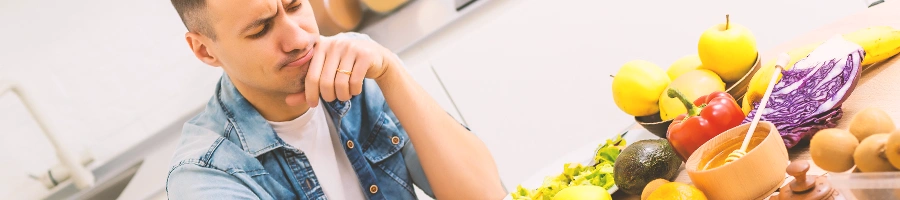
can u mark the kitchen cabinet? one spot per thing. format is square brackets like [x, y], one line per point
[415, 21]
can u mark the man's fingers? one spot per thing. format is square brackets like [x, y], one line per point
[296, 99]
[360, 68]
[341, 80]
[376, 65]
[332, 60]
[314, 73]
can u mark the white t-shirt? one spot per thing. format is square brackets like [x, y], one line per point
[315, 134]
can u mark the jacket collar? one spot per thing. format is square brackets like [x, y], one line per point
[252, 131]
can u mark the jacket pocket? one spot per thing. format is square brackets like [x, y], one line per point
[386, 139]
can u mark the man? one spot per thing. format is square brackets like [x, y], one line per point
[300, 116]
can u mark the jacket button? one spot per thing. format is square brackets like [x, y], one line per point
[395, 140]
[373, 189]
[350, 144]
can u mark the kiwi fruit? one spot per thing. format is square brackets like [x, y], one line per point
[832, 149]
[892, 149]
[870, 154]
[871, 121]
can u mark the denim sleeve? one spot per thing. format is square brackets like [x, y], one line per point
[410, 156]
[415, 169]
[190, 181]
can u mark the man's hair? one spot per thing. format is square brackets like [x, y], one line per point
[193, 15]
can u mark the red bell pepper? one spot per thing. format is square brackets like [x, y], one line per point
[706, 118]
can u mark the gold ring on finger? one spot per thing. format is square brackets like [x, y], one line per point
[344, 71]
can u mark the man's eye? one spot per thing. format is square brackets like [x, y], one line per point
[294, 8]
[261, 33]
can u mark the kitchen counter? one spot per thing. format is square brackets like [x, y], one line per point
[877, 80]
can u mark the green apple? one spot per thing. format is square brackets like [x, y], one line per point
[728, 49]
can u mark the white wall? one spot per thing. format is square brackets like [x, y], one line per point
[107, 73]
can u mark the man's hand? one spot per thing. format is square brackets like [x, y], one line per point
[338, 67]
[452, 158]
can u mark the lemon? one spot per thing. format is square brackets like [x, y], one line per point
[583, 192]
[637, 85]
[676, 191]
[692, 84]
[684, 64]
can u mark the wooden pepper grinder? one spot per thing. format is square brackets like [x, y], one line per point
[805, 187]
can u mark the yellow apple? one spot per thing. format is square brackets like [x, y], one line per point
[728, 49]
[692, 84]
[684, 64]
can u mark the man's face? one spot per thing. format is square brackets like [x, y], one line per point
[264, 44]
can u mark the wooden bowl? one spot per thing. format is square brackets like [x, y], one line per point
[384, 6]
[754, 176]
[739, 88]
[654, 124]
[658, 127]
[336, 16]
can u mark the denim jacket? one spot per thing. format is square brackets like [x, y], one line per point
[229, 151]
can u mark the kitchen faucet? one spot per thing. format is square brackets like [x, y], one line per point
[80, 176]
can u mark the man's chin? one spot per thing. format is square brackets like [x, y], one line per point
[292, 82]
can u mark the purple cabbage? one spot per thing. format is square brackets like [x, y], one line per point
[809, 96]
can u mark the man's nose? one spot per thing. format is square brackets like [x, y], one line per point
[293, 37]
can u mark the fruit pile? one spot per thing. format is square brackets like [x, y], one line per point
[725, 53]
[667, 101]
[872, 144]
[688, 103]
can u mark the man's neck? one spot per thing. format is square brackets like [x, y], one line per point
[270, 105]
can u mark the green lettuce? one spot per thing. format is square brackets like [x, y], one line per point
[610, 151]
[575, 174]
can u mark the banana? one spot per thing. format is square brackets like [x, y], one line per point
[887, 49]
[879, 42]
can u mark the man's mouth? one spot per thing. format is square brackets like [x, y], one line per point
[302, 60]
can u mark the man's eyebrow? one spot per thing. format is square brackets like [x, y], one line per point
[259, 22]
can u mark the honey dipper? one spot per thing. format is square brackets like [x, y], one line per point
[783, 60]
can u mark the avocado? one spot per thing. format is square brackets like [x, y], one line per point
[645, 161]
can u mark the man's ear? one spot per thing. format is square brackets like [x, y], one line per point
[198, 45]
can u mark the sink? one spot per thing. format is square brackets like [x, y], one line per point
[115, 177]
